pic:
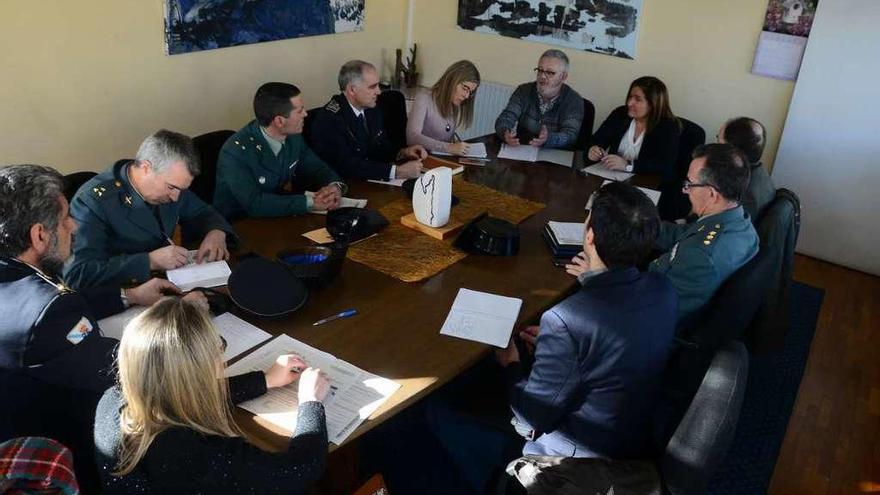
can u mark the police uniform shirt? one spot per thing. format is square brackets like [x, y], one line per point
[50, 332]
[700, 256]
[355, 148]
[254, 180]
[118, 229]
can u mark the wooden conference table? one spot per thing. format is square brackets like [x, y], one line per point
[396, 333]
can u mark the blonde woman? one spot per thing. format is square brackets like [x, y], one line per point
[439, 112]
[167, 427]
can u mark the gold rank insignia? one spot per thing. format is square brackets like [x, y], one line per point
[259, 147]
[99, 190]
[128, 200]
[332, 106]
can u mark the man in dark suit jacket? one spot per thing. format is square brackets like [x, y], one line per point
[348, 132]
[749, 136]
[598, 355]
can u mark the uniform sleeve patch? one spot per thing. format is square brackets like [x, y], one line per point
[79, 331]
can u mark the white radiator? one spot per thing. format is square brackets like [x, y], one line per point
[490, 100]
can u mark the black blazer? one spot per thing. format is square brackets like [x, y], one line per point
[181, 460]
[659, 146]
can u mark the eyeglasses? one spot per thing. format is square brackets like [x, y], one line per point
[688, 185]
[549, 73]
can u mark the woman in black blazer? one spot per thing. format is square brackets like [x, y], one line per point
[168, 426]
[641, 136]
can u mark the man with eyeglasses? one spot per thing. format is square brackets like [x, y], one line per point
[545, 113]
[265, 168]
[128, 213]
[698, 257]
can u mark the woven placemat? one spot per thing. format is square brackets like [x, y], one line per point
[410, 256]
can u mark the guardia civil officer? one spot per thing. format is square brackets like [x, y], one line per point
[265, 167]
[698, 257]
[54, 362]
[128, 213]
[349, 133]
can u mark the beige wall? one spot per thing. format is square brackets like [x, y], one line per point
[701, 49]
[84, 82]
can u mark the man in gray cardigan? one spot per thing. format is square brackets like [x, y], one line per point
[545, 113]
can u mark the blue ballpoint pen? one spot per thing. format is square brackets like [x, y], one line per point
[344, 314]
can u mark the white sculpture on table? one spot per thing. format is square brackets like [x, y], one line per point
[432, 197]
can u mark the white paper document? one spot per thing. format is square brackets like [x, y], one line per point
[211, 274]
[568, 232]
[560, 157]
[602, 171]
[652, 194]
[482, 317]
[238, 334]
[392, 182]
[112, 326]
[355, 394]
[522, 152]
[344, 203]
[476, 150]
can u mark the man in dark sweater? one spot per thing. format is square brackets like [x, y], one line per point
[749, 136]
[545, 113]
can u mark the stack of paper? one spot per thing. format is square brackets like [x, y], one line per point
[602, 171]
[238, 334]
[391, 182]
[482, 317]
[652, 194]
[355, 394]
[211, 274]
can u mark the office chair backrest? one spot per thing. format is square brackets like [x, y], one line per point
[208, 147]
[706, 431]
[72, 183]
[393, 106]
[778, 228]
[587, 123]
[673, 203]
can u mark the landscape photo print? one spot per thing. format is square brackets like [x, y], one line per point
[195, 25]
[601, 26]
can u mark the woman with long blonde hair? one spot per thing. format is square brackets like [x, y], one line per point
[438, 113]
[168, 424]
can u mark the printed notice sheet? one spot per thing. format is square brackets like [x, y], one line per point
[652, 194]
[475, 150]
[559, 157]
[606, 173]
[192, 275]
[482, 317]
[354, 395]
[238, 334]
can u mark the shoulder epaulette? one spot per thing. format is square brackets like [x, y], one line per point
[332, 106]
[710, 236]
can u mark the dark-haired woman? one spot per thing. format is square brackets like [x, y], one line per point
[642, 135]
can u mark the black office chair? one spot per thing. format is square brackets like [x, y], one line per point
[707, 429]
[673, 203]
[72, 183]
[778, 228]
[393, 106]
[691, 456]
[208, 147]
[586, 131]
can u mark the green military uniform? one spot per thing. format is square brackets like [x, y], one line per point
[698, 257]
[117, 229]
[252, 181]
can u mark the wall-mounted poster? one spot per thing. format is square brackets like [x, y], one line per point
[602, 26]
[194, 25]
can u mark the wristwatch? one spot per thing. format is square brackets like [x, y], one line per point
[124, 299]
[629, 166]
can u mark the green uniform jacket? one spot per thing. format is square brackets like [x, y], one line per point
[250, 176]
[117, 229]
[698, 257]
